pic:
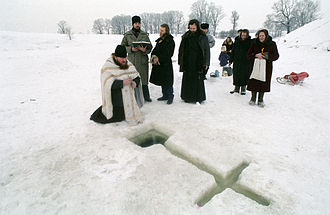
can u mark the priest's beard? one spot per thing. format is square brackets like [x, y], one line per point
[193, 33]
[121, 66]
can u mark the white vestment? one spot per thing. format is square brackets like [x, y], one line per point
[132, 98]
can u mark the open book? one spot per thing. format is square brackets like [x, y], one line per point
[141, 43]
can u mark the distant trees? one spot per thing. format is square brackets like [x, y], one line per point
[61, 27]
[98, 26]
[275, 28]
[234, 19]
[291, 14]
[64, 28]
[107, 25]
[305, 12]
[150, 23]
[207, 12]
[199, 11]
[216, 14]
[120, 24]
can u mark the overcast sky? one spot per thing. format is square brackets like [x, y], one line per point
[43, 15]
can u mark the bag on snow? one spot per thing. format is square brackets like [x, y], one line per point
[214, 74]
[259, 70]
[227, 69]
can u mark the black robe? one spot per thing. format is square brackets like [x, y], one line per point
[194, 54]
[241, 62]
[162, 74]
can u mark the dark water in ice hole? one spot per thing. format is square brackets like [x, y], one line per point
[149, 138]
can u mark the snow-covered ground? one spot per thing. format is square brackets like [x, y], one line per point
[54, 160]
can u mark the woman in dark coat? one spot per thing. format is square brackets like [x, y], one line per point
[241, 63]
[162, 69]
[229, 45]
[263, 48]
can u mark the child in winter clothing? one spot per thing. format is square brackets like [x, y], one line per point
[223, 57]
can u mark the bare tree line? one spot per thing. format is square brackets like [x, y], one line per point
[119, 24]
[200, 10]
[289, 15]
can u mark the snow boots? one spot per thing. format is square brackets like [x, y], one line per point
[253, 98]
[236, 90]
[146, 94]
[260, 99]
[243, 90]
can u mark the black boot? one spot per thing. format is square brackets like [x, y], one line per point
[261, 99]
[164, 97]
[146, 94]
[170, 100]
[169, 93]
[243, 90]
[253, 98]
[236, 90]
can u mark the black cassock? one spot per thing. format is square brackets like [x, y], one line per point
[192, 88]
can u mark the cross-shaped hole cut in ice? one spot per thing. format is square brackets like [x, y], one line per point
[153, 136]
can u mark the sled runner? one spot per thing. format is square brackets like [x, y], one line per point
[293, 78]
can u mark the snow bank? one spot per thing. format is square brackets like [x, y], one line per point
[314, 35]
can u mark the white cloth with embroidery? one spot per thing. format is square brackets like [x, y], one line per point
[132, 98]
[259, 70]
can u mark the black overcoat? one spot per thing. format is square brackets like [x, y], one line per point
[162, 74]
[194, 54]
[240, 61]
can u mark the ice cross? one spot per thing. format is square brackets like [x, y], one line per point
[153, 136]
[230, 182]
[222, 183]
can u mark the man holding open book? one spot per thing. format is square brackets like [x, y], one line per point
[138, 47]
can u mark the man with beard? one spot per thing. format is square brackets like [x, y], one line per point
[241, 62]
[162, 68]
[121, 91]
[194, 60]
[138, 55]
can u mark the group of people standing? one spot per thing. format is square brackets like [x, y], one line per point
[124, 83]
[243, 53]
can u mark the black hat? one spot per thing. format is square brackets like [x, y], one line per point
[136, 19]
[204, 26]
[121, 51]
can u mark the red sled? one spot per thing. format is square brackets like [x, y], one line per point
[293, 78]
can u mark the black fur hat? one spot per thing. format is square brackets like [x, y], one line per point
[121, 51]
[136, 19]
[204, 26]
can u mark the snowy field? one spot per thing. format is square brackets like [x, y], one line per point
[54, 160]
